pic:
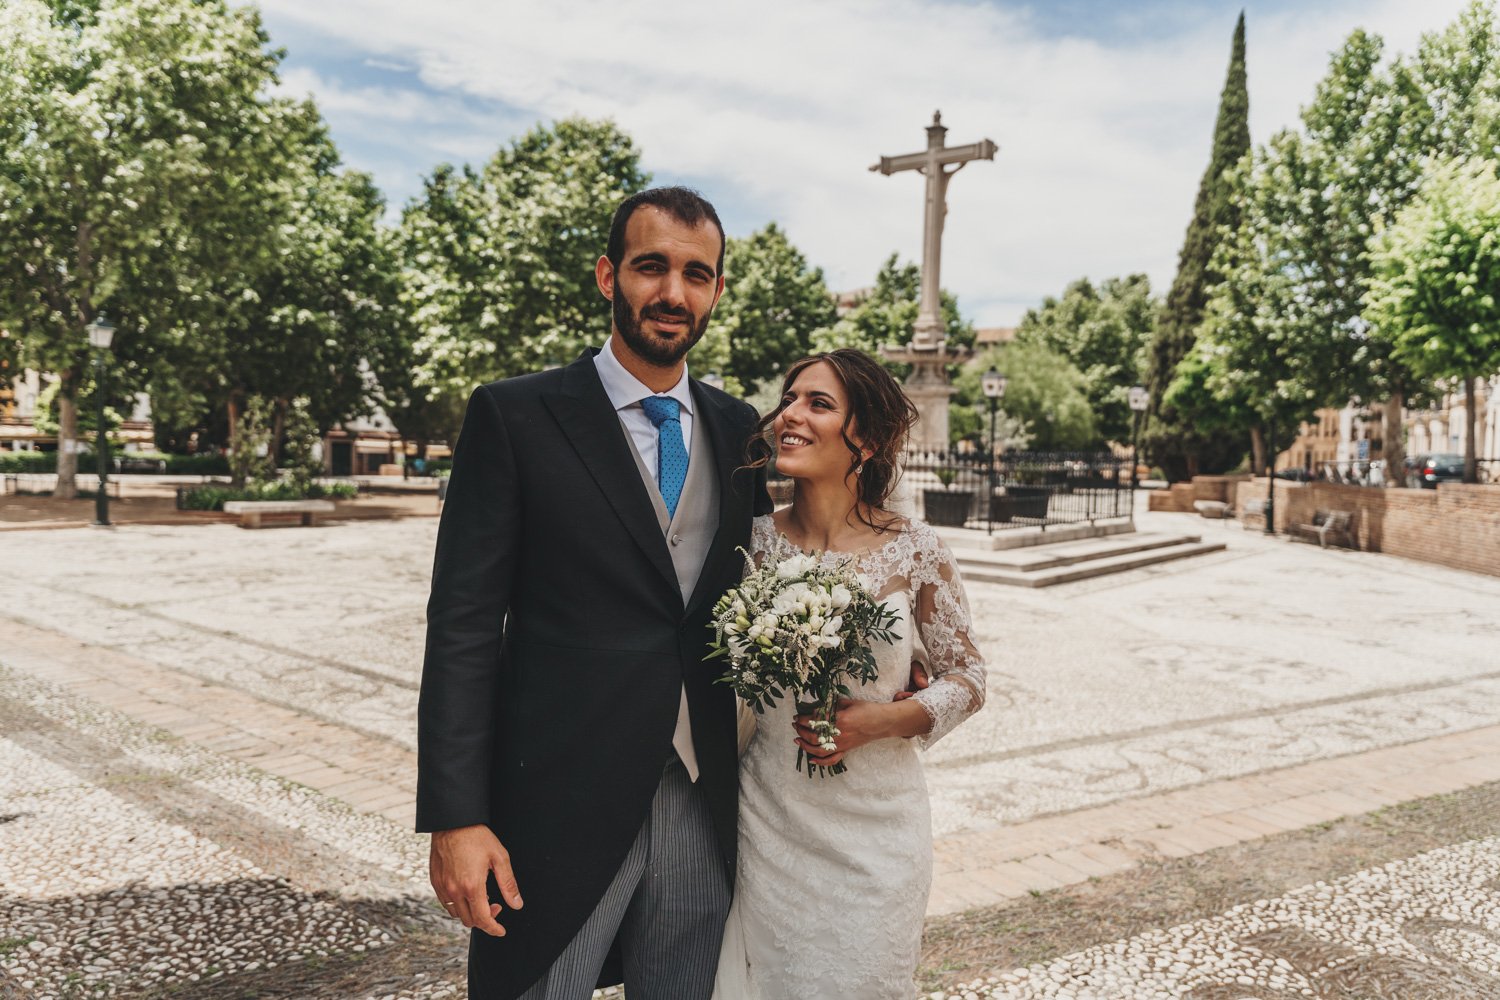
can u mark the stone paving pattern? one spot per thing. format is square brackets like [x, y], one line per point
[1440, 909]
[272, 677]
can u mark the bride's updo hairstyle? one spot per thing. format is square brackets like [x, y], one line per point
[879, 414]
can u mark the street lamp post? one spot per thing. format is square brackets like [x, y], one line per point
[993, 384]
[1270, 528]
[1140, 401]
[101, 334]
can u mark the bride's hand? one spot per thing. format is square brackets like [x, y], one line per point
[853, 722]
[861, 722]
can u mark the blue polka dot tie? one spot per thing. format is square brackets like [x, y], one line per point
[671, 454]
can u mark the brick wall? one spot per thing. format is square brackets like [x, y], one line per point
[1178, 498]
[1454, 525]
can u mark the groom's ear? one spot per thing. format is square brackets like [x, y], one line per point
[604, 277]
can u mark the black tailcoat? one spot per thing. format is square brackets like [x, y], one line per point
[557, 644]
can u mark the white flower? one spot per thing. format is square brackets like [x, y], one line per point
[794, 567]
[790, 600]
[840, 597]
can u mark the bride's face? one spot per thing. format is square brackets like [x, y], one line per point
[809, 429]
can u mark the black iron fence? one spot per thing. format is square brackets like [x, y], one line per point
[1018, 489]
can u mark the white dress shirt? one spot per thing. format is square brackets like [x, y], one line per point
[625, 393]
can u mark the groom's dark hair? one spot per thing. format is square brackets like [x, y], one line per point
[683, 204]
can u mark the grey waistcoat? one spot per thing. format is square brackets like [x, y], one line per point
[689, 534]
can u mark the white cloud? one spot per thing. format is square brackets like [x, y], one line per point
[783, 104]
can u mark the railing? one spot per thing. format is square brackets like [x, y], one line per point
[1019, 489]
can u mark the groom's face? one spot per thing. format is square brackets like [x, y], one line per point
[666, 286]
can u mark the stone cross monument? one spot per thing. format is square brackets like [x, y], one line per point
[927, 353]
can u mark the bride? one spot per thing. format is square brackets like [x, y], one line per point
[834, 872]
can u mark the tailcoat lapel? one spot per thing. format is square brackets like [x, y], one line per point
[584, 413]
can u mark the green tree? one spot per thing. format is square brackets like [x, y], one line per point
[1289, 324]
[773, 301]
[1103, 331]
[1437, 275]
[1274, 331]
[132, 139]
[1044, 392]
[499, 263]
[1175, 444]
[309, 320]
[887, 314]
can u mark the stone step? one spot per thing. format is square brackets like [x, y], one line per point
[1030, 560]
[1011, 537]
[987, 573]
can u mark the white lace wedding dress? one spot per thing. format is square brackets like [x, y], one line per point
[834, 872]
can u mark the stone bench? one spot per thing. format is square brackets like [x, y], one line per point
[1324, 524]
[251, 511]
[1211, 508]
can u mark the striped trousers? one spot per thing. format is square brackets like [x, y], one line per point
[667, 905]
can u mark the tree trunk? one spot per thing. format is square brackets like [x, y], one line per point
[236, 471]
[1471, 452]
[405, 462]
[67, 441]
[1257, 448]
[1393, 445]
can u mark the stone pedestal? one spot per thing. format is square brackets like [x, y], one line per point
[929, 390]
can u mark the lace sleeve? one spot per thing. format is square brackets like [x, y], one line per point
[941, 609]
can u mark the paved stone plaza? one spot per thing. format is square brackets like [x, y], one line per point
[207, 767]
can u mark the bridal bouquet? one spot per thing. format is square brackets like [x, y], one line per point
[801, 629]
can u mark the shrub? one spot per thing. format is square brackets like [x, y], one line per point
[197, 465]
[29, 461]
[214, 497]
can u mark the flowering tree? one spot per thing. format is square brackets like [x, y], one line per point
[131, 136]
[1436, 279]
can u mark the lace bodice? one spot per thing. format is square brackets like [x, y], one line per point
[916, 562]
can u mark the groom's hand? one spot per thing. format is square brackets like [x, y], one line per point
[919, 678]
[459, 866]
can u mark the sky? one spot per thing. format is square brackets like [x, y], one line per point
[775, 110]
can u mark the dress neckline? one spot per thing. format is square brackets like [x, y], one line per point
[781, 537]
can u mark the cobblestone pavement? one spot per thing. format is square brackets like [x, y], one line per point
[1432, 920]
[206, 744]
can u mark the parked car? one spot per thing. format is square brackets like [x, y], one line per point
[1426, 471]
[1296, 475]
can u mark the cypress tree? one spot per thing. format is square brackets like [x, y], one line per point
[1172, 443]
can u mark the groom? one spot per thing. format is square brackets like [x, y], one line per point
[572, 746]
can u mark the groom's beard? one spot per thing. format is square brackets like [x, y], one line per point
[660, 351]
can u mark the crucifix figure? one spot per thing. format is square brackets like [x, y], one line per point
[927, 385]
[938, 163]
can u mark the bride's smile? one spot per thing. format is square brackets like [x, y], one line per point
[813, 441]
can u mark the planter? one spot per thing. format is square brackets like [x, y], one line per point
[949, 508]
[1020, 501]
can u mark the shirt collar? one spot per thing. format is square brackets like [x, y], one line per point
[624, 389]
